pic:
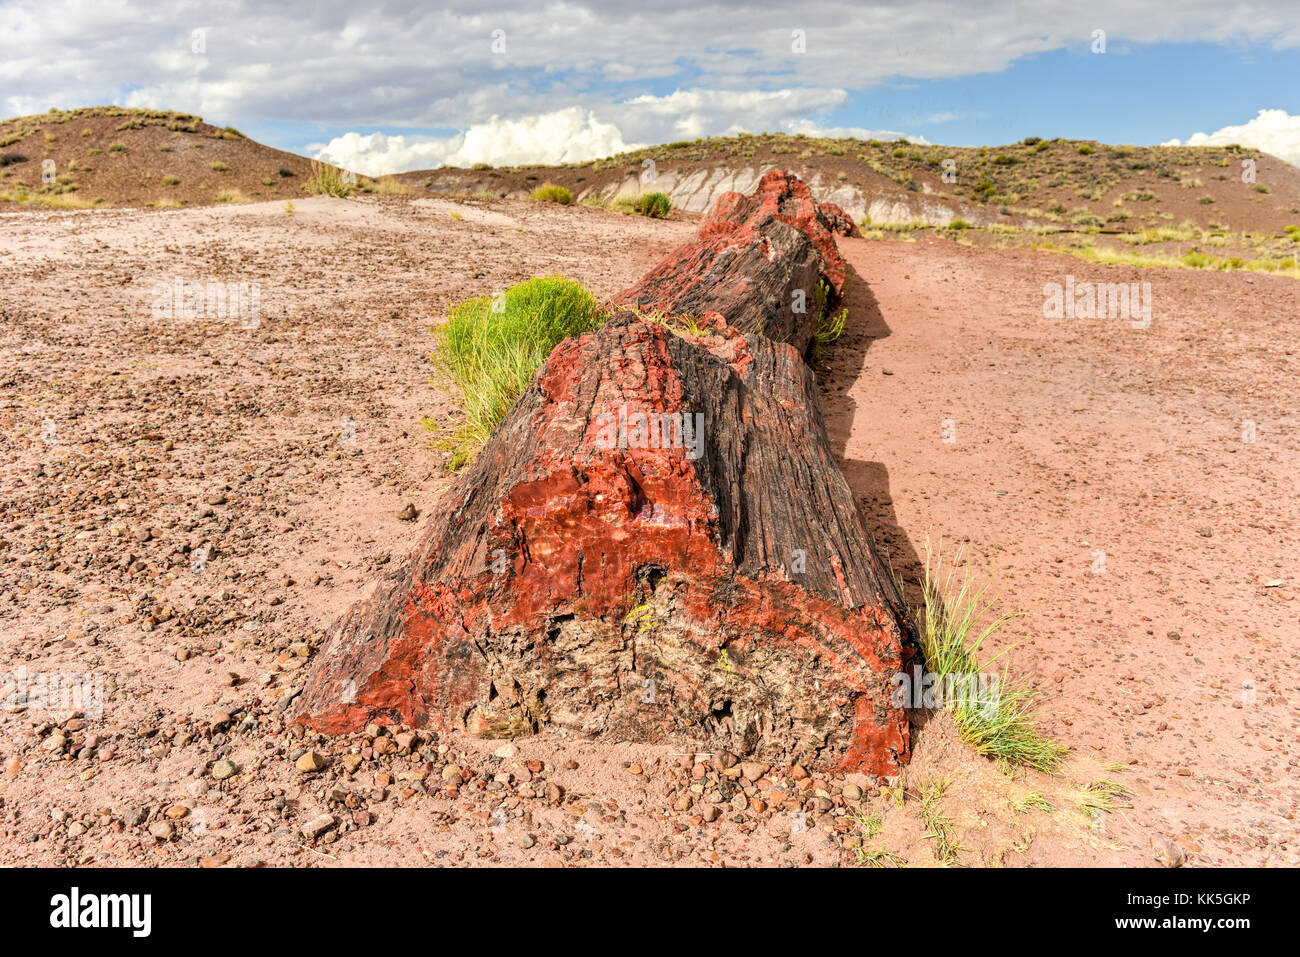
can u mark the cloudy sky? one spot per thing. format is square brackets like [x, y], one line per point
[382, 87]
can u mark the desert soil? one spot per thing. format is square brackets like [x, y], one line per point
[189, 502]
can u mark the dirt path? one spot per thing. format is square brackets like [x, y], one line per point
[1077, 437]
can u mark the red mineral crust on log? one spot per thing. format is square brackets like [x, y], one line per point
[752, 255]
[655, 545]
[839, 222]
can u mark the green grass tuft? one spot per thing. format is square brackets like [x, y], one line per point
[1033, 801]
[326, 180]
[654, 205]
[829, 327]
[490, 348]
[550, 193]
[953, 626]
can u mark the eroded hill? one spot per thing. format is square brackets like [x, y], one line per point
[110, 156]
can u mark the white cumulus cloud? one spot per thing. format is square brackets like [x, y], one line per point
[1273, 131]
[691, 114]
[809, 128]
[572, 135]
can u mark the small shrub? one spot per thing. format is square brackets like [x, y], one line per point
[654, 205]
[118, 148]
[285, 173]
[489, 349]
[1086, 150]
[959, 224]
[550, 193]
[218, 167]
[170, 181]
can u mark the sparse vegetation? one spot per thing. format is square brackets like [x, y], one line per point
[953, 625]
[654, 205]
[1033, 801]
[388, 186]
[1102, 797]
[327, 180]
[490, 347]
[939, 828]
[550, 193]
[829, 327]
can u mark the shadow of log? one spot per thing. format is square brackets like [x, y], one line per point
[840, 366]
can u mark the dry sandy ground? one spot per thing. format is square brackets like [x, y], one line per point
[188, 503]
[1072, 438]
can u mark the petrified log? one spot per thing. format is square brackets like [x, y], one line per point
[656, 544]
[838, 221]
[757, 262]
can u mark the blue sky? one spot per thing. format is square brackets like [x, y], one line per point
[406, 85]
[1132, 94]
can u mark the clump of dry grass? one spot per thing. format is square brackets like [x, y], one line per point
[327, 180]
[388, 186]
